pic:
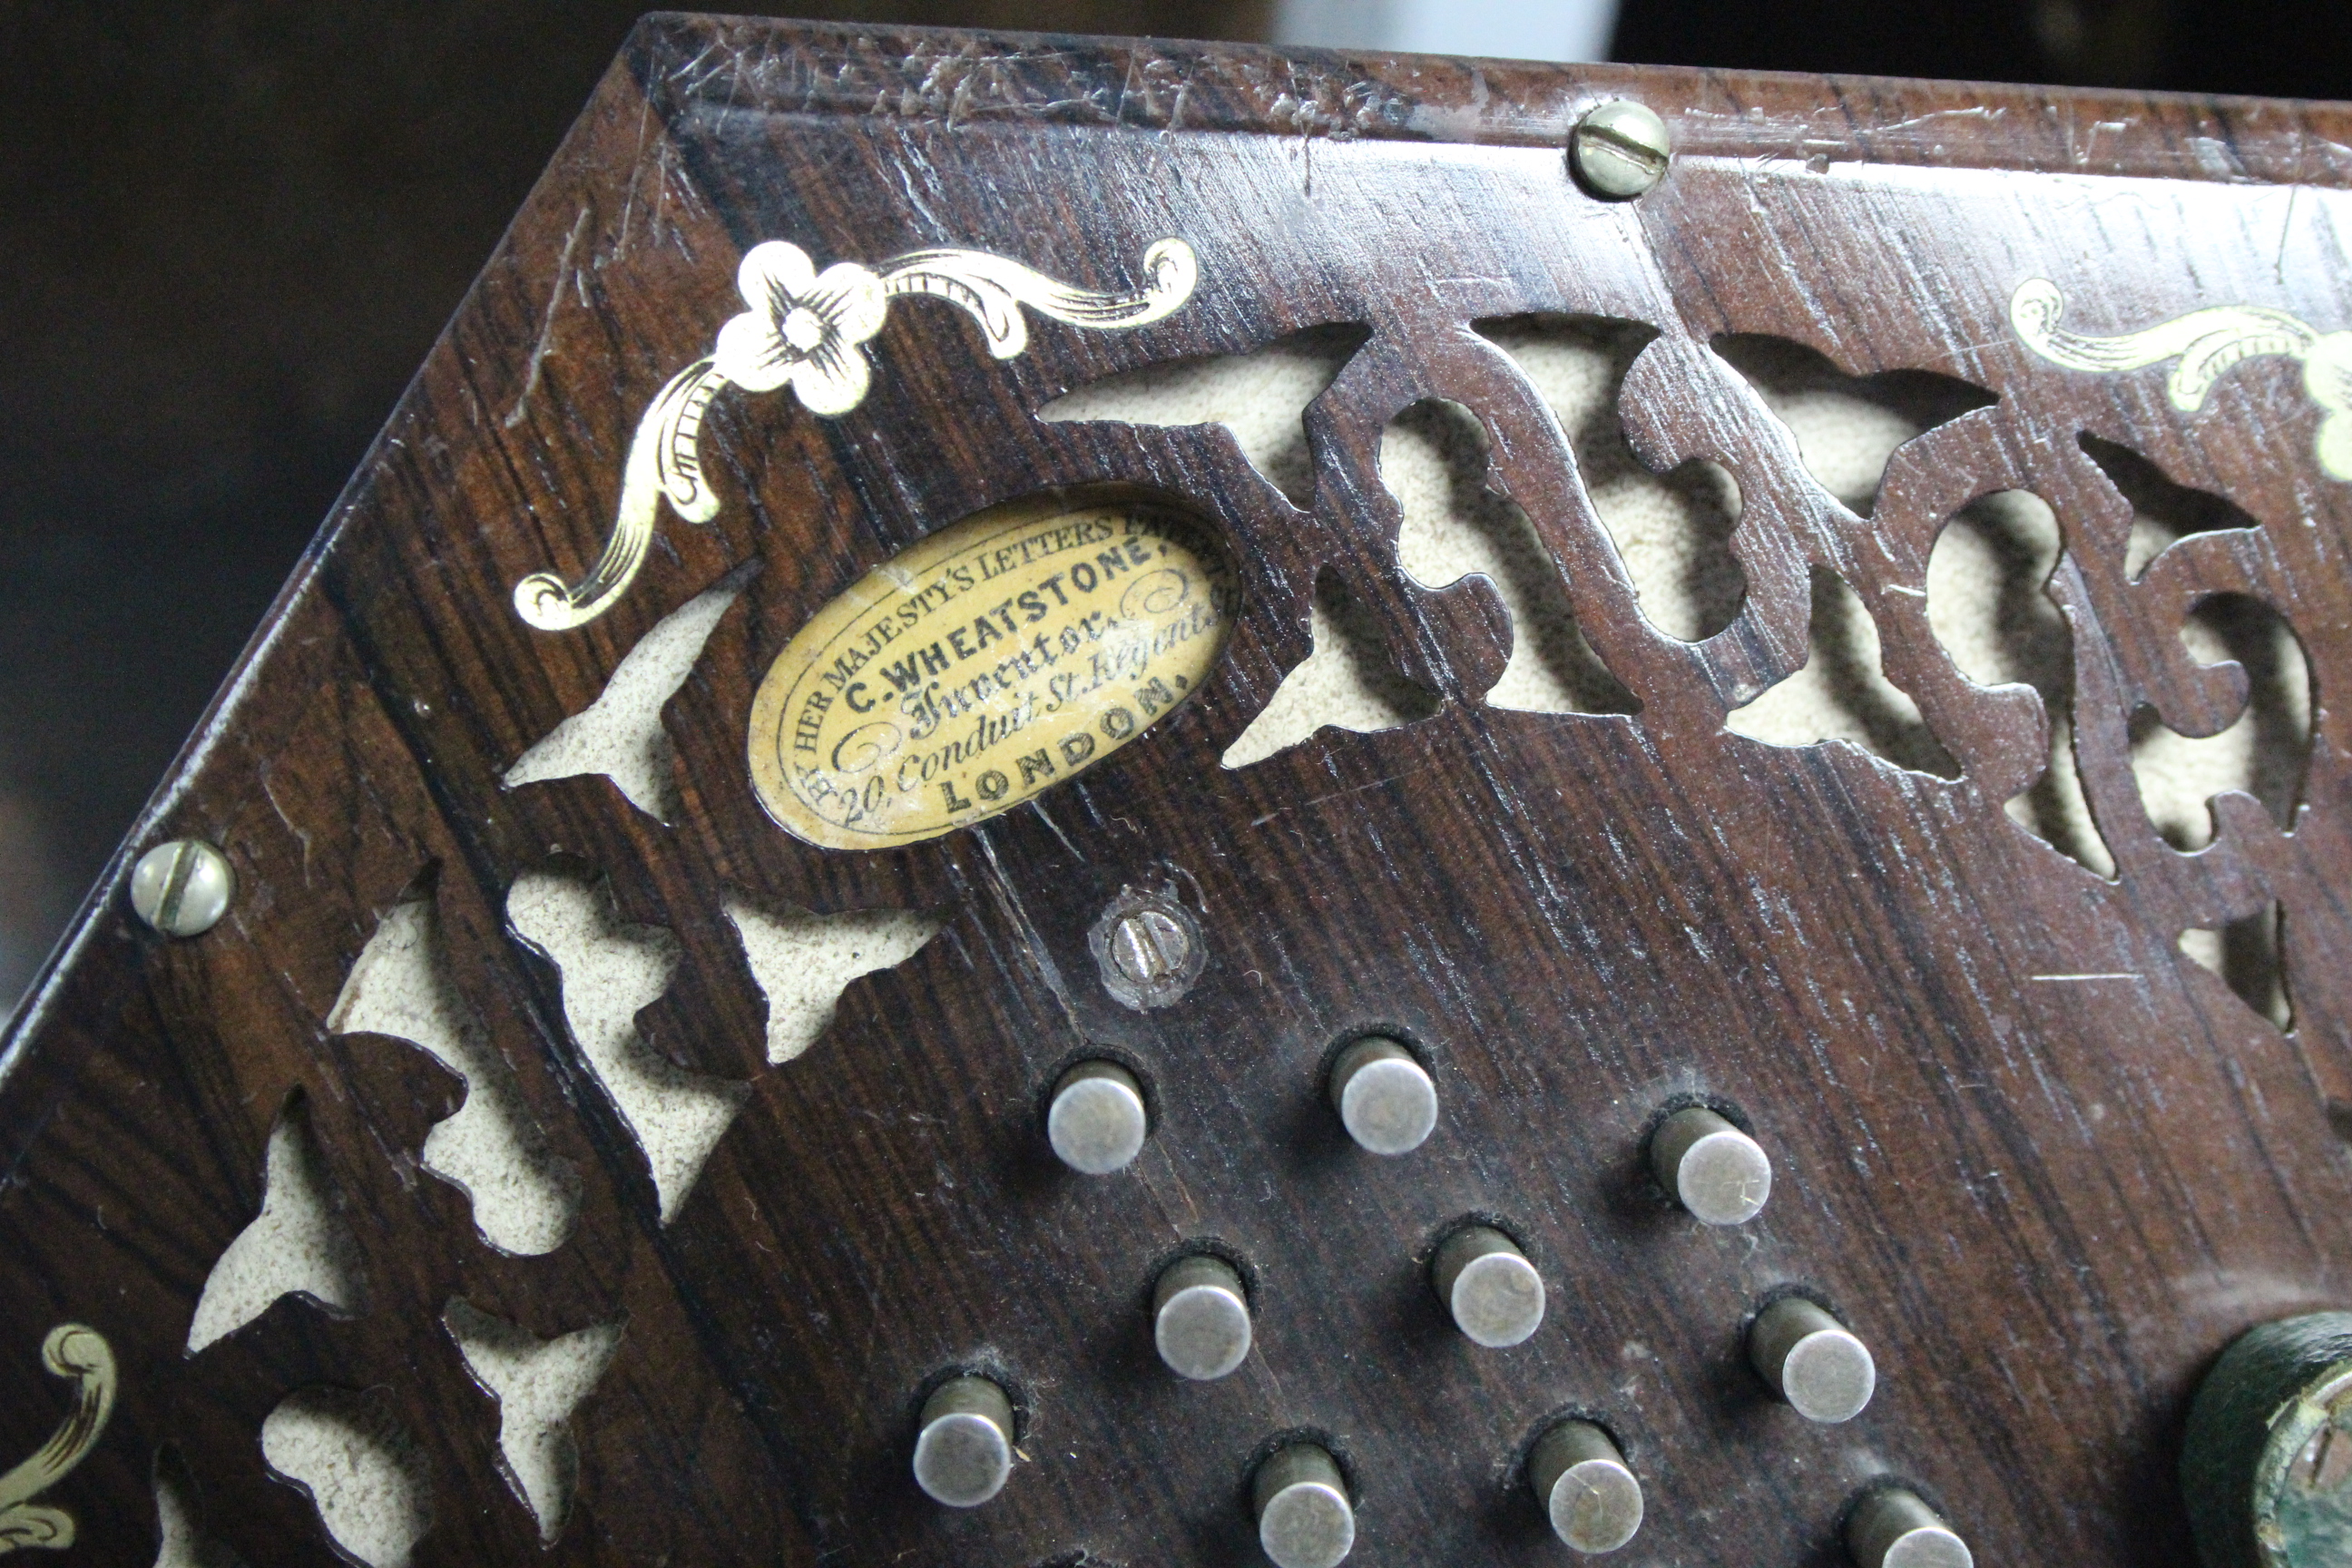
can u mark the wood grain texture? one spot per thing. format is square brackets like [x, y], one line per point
[2046, 1165]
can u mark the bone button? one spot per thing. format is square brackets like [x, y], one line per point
[1200, 1318]
[1812, 1361]
[1713, 1170]
[1384, 1096]
[1892, 1529]
[1096, 1120]
[1492, 1291]
[965, 1450]
[1591, 1497]
[1303, 1518]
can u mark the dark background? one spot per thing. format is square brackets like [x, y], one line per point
[229, 230]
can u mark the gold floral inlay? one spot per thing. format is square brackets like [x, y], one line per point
[807, 330]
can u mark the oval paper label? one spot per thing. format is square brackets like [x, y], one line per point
[987, 664]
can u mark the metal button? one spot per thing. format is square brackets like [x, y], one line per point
[965, 1450]
[1492, 1291]
[1200, 1318]
[1582, 1480]
[1812, 1361]
[1713, 1169]
[1620, 149]
[1384, 1096]
[1303, 1518]
[1892, 1529]
[182, 888]
[1097, 1122]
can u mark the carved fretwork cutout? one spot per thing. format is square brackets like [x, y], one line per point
[2251, 955]
[1347, 682]
[1846, 427]
[1259, 397]
[299, 1245]
[524, 1195]
[803, 961]
[363, 1470]
[1673, 530]
[2163, 512]
[537, 1383]
[1982, 1073]
[1842, 693]
[611, 971]
[1988, 604]
[1434, 462]
[620, 734]
[2264, 751]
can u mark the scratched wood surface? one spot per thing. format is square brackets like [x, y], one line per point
[2046, 1165]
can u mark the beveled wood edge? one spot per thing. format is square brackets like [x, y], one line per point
[952, 78]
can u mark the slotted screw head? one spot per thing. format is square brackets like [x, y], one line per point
[1619, 150]
[1149, 948]
[182, 888]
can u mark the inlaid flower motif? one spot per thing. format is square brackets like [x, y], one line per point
[803, 327]
[807, 329]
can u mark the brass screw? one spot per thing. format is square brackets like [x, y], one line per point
[1619, 150]
[182, 888]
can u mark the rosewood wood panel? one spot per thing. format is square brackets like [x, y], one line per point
[2044, 1163]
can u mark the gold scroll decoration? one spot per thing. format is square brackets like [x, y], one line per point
[987, 664]
[807, 330]
[71, 1350]
[2209, 344]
